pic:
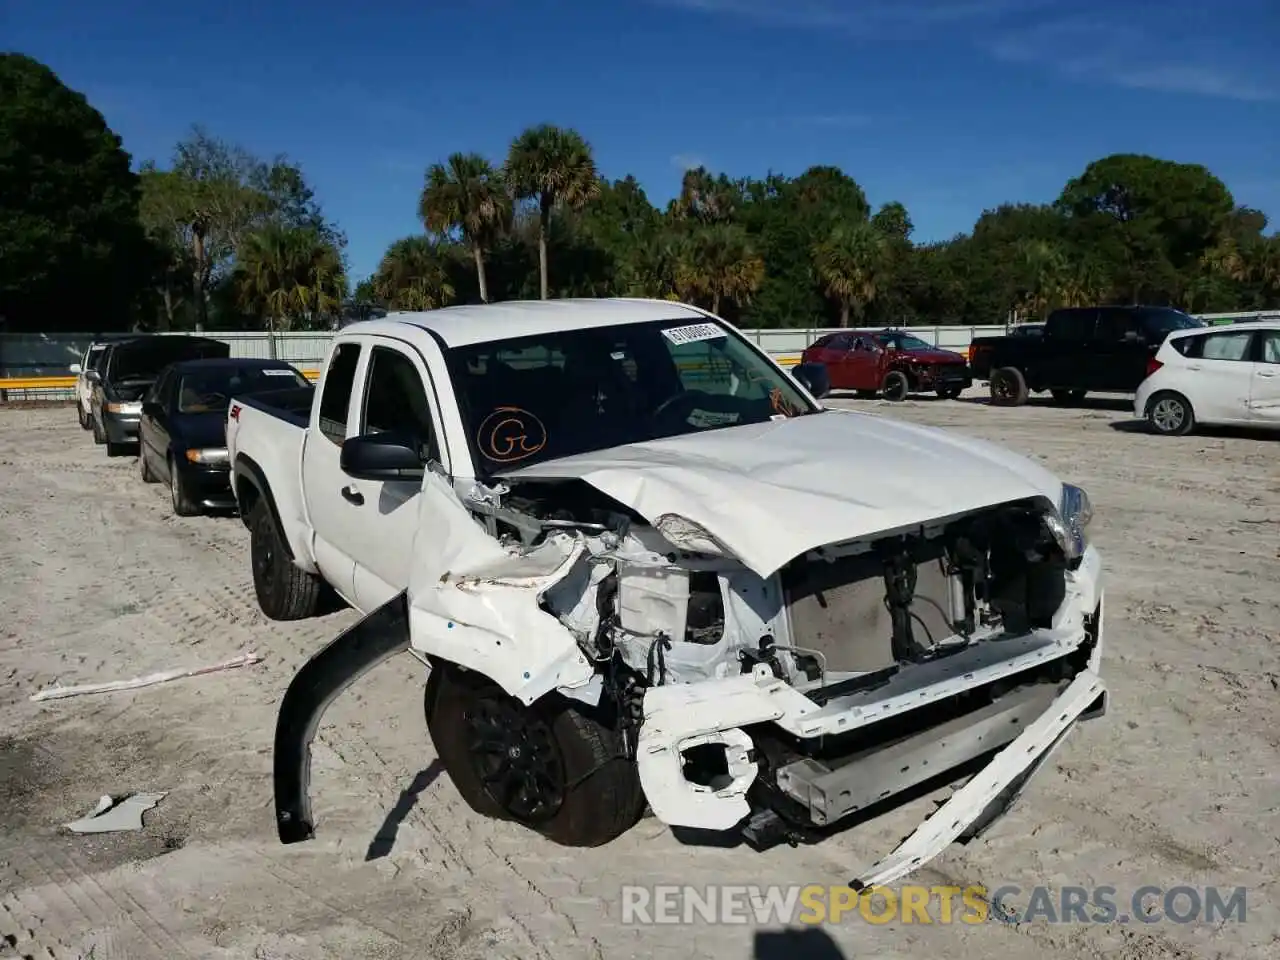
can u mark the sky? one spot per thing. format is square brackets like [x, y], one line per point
[948, 106]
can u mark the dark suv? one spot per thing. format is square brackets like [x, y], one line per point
[1081, 350]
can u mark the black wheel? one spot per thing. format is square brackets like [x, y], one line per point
[99, 435]
[1170, 414]
[183, 505]
[950, 393]
[896, 386]
[284, 592]
[552, 766]
[865, 394]
[84, 421]
[1008, 387]
[144, 467]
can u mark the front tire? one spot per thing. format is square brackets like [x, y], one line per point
[183, 505]
[99, 435]
[284, 591]
[1008, 387]
[1169, 414]
[80, 415]
[896, 386]
[551, 766]
[144, 467]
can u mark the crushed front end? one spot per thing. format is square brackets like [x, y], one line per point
[782, 706]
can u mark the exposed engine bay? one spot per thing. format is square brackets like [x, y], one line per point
[844, 629]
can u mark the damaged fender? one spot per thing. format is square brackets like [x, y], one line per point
[348, 657]
[477, 603]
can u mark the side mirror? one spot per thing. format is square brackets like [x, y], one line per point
[814, 378]
[92, 376]
[76, 369]
[383, 456]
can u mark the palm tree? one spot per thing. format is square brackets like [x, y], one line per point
[285, 273]
[465, 194]
[413, 276]
[553, 166]
[717, 262]
[849, 263]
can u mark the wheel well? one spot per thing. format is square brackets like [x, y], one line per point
[247, 495]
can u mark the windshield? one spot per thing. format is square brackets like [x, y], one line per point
[210, 391]
[905, 341]
[140, 361]
[1162, 322]
[557, 394]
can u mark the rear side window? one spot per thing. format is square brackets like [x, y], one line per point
[335, 399]
[1115, 324]
[1226, 346]
[1071, 324]
[1270, 352]
[395, 398]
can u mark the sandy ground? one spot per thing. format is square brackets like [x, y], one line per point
[1177, 785]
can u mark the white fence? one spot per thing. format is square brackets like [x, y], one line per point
[34, 355]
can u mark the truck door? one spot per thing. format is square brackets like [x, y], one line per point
[331, 506]
[397, 395]
[1121, 351]
[1068, 357]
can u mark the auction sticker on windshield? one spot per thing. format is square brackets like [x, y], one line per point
[693, 333]
[277, 373]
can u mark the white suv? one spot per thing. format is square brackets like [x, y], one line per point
[1216, 375]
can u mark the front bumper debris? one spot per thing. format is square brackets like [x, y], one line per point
[349, 656]
[971, 802]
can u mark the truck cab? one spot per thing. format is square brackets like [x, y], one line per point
[1081, 350]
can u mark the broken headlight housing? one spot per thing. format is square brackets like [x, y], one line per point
[1068, 525]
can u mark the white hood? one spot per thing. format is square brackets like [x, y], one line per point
[769, 492]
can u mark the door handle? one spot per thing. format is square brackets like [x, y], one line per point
[1193, 366]
[352, 495]
[1266, 373]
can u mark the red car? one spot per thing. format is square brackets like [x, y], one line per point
[889, 363]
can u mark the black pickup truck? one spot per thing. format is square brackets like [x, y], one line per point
[1080, 350]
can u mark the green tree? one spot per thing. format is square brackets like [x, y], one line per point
[717, 263]
[465, 196]
[413, 275]
[73, 255]
[290, 276]
[849, 262]
[553, 167]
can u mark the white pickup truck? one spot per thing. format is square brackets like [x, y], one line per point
[645, 565]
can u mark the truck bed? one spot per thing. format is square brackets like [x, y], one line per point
[266, 434]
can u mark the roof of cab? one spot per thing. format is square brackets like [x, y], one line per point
[466, 325]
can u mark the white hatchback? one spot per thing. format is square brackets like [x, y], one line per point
[1215, 375]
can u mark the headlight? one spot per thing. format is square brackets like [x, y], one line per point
[1073, 516]
[208, 455]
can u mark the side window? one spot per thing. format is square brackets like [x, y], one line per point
[1270, 352]
[1187, 346]
[1071, 324]
[1114, 325]
[336, 398]
[395, 398]
[841, 341]
[1226, 346]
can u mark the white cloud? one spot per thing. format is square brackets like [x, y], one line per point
[1120, 55]
[688, 161]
